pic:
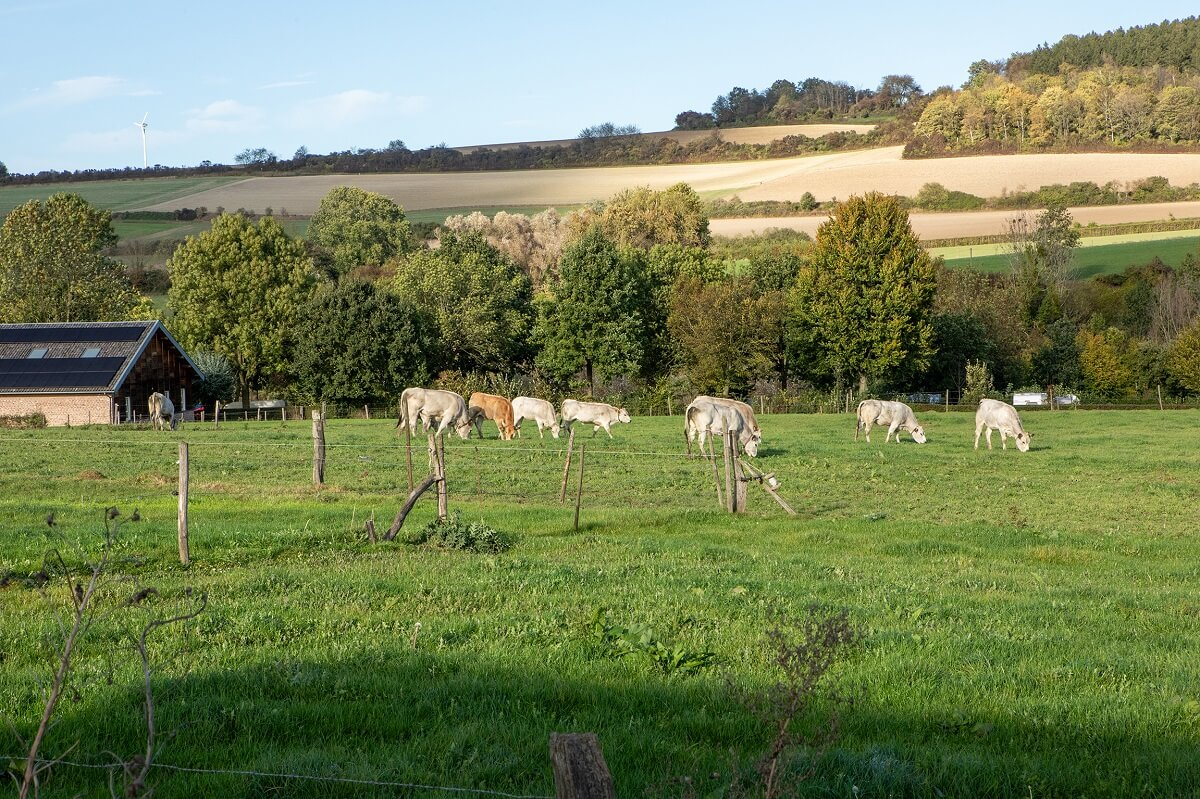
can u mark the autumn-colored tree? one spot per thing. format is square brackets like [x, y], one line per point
[52, 267]
[863, 302]
[1183, 359]
[642, 217]
[1104, 361]
[236, 290]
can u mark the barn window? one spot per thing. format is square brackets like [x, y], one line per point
[91, 352]
[37, 352]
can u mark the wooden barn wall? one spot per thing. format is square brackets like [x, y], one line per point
[161, 368]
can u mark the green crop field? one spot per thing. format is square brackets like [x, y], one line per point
[1027, 621]
[115, 195]
[1095, 256]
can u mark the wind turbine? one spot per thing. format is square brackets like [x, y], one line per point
[143, 126]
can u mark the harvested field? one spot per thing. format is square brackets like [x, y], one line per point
[930, 226]
[826, 176]
[764, 134]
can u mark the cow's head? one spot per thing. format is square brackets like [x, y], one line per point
[918, 434]
[622, 415]
[1023, 441]
[463, 428]
[751, 447]
[554, 428]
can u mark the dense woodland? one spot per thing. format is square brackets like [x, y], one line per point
[629, 300]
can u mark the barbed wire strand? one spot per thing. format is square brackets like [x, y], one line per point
[282, 775]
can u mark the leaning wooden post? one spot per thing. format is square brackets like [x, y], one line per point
[739, 478]
[712, 458]
[1160, 405]
[476, 457]
[408, 454]
[562, 491]
[579, 490]
[318, 434]
[579, 768]
[416, 493]
[185, 556]
[366, 411]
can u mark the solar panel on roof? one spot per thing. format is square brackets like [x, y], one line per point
[58, 372]
[33, 334]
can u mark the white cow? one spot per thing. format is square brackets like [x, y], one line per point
[744, 408]
[705, 417]
[539, 411]
[430, 405]
[997, 415]
[896, 415]
[162, 411]
[597, 414]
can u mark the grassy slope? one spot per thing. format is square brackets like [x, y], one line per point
[115, 195]
[1095, 256]
[1028, 618]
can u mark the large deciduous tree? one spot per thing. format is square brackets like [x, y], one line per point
[864, 300]
[642, 217]
[724, 346]
[52, 268]
[359, 228]
[591, 319]
[236, 290]
[357, 343]
[475, 301]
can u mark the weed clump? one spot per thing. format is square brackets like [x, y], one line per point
[454, 533]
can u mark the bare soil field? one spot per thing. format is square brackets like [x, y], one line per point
[930, 226]
[826, 176]
[764, 134]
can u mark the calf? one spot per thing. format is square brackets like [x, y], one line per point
[598, 414]
[896, 415]
[496, 408]
[997, 415]
[539, 411]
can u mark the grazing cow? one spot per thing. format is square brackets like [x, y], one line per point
[997, 415]
[539, 411]
[744, 408]
[475, 418]
[597, 414]
[896, 415]
[705, 417]
[162, 411]
[496, 408]
[430, 405]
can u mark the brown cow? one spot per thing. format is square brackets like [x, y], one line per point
[496, 408]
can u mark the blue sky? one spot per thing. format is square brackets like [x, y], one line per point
[217, 77]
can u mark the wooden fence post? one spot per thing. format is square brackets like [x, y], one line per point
[579, 490]
[562, 491]
[739, 476]
[366, 411]
[1160, 405]
[947, 400]
[579, 768]
[185, 556]
[408, 454]
[730, 497]
[712, 458]
[443, 496]
[318, 434]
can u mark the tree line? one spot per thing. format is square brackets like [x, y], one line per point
[627, 298]
[1173, 44]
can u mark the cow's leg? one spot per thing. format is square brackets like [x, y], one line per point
[895, 430]
[1003, 439]
[867, 430]
[610, 435]
[857, 427]
[989, 437]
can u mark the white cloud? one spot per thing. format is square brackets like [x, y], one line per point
[355, 107]
[76, 90]
[225, 116]
[285, 84]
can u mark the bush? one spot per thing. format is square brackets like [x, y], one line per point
[978, 384]
[32, 420]
[453, 533]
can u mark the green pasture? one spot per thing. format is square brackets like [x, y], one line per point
[114, 195]
[1097, 255]
[1027, 620]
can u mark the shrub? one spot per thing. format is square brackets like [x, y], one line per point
[978, 384]
[32, 420]
[454, 533]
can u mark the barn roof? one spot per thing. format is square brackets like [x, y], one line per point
[74, 357]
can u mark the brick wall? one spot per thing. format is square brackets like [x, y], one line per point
[60, 409]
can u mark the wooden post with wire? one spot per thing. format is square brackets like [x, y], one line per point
[730, 497]
[712, 458]
[562, 491]
[579, 489]
[580, 771]
[318, 434]
[1160, 405]
[440, 465]
[739, 476]
[185, 555]
[408, 454]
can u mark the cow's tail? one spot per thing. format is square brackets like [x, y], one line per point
[858, 420]
[402, 418]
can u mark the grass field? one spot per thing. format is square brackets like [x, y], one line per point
[115, 195]
[1095, 256]
[1027, 619]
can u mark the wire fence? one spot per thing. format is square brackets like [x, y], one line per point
[117, 766]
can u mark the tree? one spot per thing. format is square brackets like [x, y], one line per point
[236, 290]
[3, 172]
[1104, 362]
[591, 317]
[359, 228]
[723, 345]
[356, 343]
[52, 268]
[1057, 362]
[255, 156]
[1045, 247]
[693, 120]
[959, 338]
[897, 91]
[643, 217]
[863, 301]
[473, 300]
[1183, 359]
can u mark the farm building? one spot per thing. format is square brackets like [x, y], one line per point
[91, 372]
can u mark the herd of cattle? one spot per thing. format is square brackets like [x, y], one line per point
[705, 418]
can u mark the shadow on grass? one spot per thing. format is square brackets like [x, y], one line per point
[439, 715]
